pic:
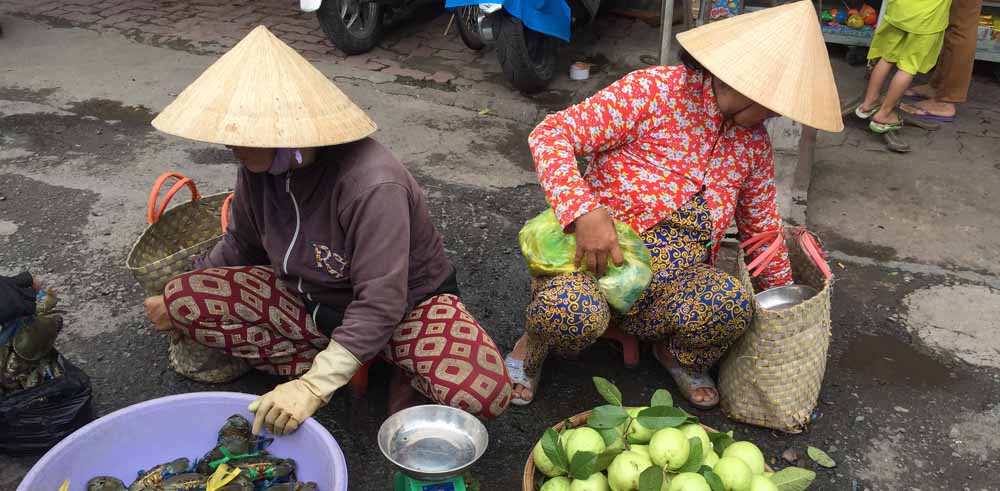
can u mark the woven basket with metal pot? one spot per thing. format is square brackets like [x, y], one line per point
[772, 376]
[165, 249]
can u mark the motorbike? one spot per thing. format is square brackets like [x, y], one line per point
[526, 34]
[355, 26]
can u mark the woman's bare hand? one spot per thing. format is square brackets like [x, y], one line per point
[156, 310]
[596, 241]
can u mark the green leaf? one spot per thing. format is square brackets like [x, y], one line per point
[604, 460]
[553, 450]
[584, 464]
[610, 435]
[651, 479]
[793, 479]
[694, 460]
[607, 417]
[661, 398]
[659, 417]
[720, 441]
[820, 457]
[714, 480]
[608, 391]
[691, 419]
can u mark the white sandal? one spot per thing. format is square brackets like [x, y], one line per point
[688, 383]
[515, 370]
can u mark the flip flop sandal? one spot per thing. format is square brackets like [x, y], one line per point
[926, 124]
[882, 128]
[515, 369]
[688, 383]
[866, 114]
[921, 113]
[894, 143]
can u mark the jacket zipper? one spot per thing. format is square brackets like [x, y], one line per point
[295, 236]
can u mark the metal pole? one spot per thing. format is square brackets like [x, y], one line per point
[666, 23]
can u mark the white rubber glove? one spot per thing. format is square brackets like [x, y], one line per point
[286, 407]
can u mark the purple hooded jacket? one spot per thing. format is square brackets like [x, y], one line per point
[351, 234]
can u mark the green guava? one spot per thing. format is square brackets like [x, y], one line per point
[637, 433]
[761, 483]
[669, 448]
[543, 463]
[584, 440]
[560, 483]
[734, 473]
[643, 449]
[624, 471]
[596, 482]
[689, 481]
[694, 430]
[749, 454]
[710, 458]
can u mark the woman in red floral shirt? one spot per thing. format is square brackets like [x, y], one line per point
[678, 153]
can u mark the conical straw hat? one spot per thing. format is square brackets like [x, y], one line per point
[777, 58]
[264, 94]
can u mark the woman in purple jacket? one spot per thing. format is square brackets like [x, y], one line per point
[330, 258]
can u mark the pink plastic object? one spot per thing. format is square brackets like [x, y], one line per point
[630, 345]
[160, 430]
[806, 239]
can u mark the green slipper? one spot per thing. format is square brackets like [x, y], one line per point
[881, 128]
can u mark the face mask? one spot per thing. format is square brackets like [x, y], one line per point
[283, 158]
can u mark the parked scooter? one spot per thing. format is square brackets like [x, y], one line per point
[355, 26]
[526, 34]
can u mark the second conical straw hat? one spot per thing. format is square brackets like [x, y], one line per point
[777, 58]
[262, 93]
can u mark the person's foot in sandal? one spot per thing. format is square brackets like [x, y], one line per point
[883, 124]
[699, 390]
[866, 110]
[943, 112]
[524, 386]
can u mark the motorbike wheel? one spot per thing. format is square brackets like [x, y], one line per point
[354, 26]
[468, 20]
[528, 58]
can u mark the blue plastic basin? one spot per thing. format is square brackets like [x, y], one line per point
[160, 430]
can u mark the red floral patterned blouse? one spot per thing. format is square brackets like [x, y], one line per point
[651, 141]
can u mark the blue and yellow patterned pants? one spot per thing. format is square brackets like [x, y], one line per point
[697, 309]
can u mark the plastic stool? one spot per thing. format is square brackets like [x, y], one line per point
[359, 382]
[630, 345]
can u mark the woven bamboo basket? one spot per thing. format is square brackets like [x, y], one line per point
[772, 376]
[531, 479]
[165, 250]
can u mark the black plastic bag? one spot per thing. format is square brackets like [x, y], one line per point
[34, 420]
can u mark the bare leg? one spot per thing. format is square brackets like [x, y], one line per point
[879, 74]
[897, 86]
[923, 90]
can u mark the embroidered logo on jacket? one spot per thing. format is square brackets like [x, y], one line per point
[333, 263]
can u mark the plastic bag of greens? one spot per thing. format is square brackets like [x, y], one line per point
[549, 251]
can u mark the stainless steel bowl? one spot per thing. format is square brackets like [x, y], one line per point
[432, 442]
[784, 297]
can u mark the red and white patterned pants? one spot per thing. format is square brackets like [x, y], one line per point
[247, 312]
